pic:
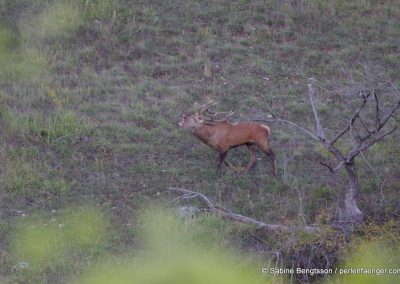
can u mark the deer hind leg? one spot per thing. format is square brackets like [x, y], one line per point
[252, 151]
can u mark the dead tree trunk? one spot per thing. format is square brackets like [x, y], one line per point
[352, 212]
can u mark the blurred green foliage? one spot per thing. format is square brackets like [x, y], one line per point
[377, 262]
[47, 243]
[173, 254]
[19, 64]
[169, 250]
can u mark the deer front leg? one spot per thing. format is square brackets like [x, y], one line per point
[221, 159]
[222, 156]
[252, 151]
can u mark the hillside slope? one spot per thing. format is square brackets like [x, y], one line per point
[91, 91]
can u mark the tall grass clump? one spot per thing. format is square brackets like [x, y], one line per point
[63, 125]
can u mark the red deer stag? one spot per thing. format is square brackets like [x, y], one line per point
[223, 135]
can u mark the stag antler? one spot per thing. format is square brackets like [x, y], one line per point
[205, 107]
[225, 113]
[200, 110]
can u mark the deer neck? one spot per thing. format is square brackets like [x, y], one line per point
[203, 131]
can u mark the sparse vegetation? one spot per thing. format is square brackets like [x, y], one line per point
[90, 96]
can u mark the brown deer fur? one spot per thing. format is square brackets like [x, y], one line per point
[222, 136]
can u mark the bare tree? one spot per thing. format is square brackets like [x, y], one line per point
[367, 124]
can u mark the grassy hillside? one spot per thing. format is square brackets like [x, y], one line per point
[91, 91]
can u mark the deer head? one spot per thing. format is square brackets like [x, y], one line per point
[190, 121]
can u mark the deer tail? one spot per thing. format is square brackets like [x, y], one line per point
[267, 128]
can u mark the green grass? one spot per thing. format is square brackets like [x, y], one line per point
[91, 91]
[25, 173]
[57, 127]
